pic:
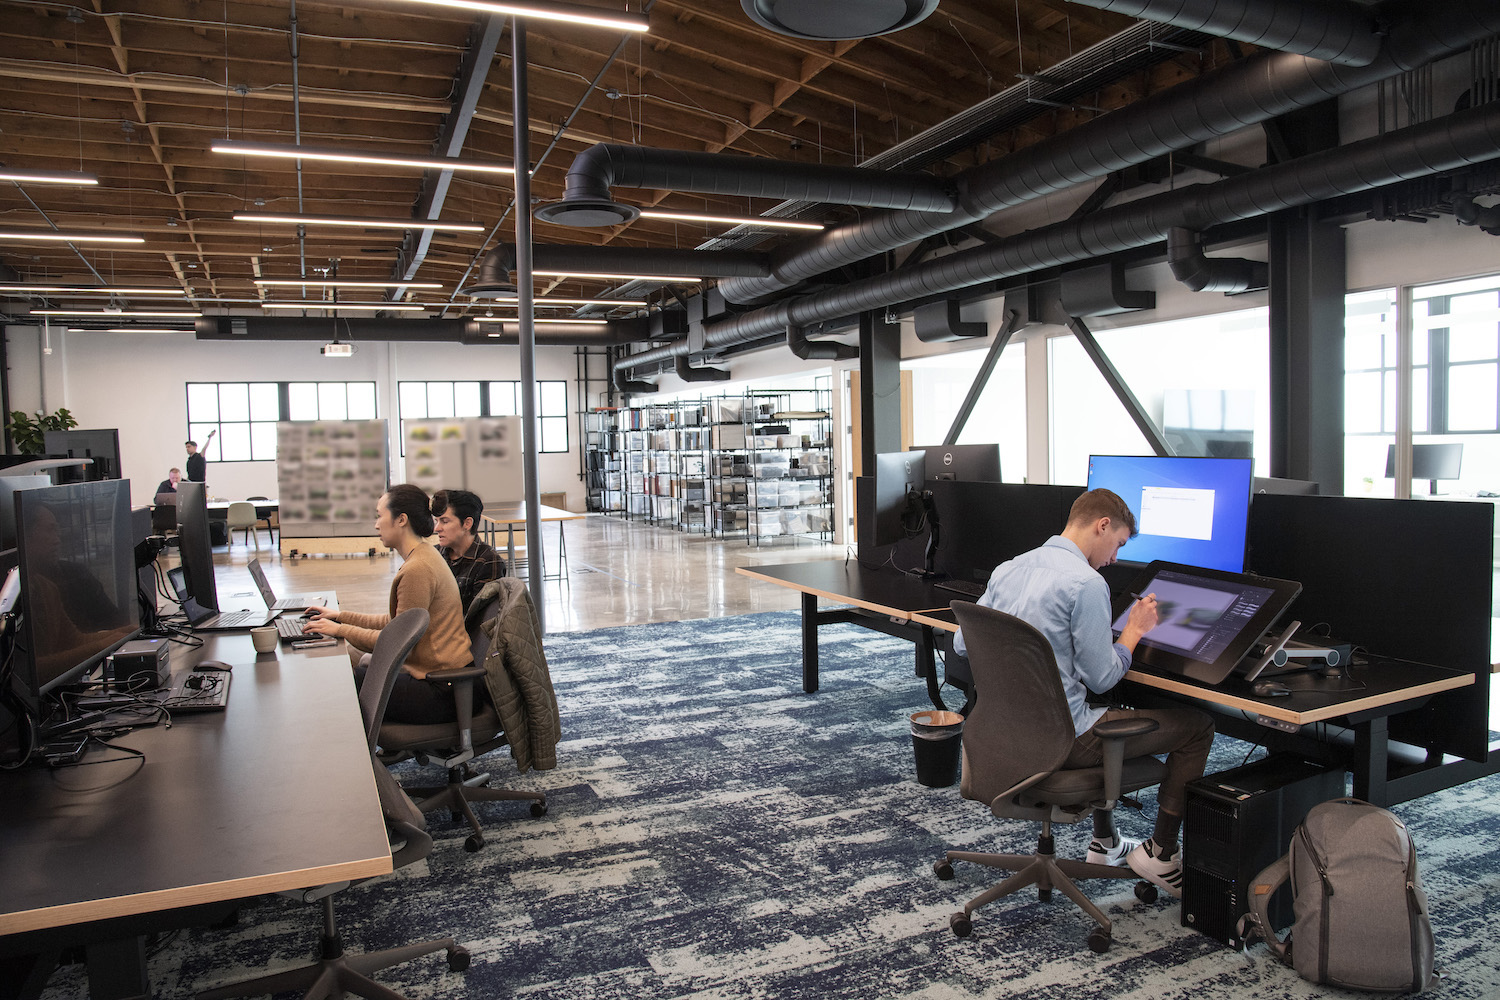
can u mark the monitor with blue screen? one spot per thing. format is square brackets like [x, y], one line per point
[1193, 511]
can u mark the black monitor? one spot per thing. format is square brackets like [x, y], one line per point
[101, 445]
[78, 581]
[195, 545]
[1429, 461]
[1286, 487]
[898, 474]
[8, 487]
[965, 463]
[1189, 510]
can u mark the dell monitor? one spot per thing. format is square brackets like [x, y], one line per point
[964, 463]
[101, 445]
[898, 474]
[195, 544]
[1192, 511]
[1429, 461]
[78, 580]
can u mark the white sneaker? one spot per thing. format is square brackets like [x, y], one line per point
[1164, 872]
[1101, 854]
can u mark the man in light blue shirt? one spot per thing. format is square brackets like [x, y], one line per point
[1057, 589]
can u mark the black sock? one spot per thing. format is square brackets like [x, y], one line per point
[1168, 826]
[1104, 825]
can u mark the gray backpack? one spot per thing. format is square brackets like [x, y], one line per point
[1360, 916]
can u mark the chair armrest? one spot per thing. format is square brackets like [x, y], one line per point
[1119, 729]
[455, 674]
[462, 679]
[1114, 733]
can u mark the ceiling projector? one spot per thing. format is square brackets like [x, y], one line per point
[336, 350]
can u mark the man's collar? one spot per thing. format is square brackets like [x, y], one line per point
[467, 553]
[1066, 543]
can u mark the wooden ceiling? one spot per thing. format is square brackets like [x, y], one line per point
[136, 92]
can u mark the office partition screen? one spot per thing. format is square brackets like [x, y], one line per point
[1188, 510]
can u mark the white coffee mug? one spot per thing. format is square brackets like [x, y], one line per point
[264, 638]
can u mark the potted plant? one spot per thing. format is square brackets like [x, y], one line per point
[28, 432]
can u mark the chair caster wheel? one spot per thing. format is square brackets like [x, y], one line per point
[960, 925]
[1044, 894]
[1145, 892]
[458, 959]
[474, 843]
[1099, 940]
[539, 809]
[943, 869]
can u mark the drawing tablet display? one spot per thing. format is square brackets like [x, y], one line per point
[1208, 618]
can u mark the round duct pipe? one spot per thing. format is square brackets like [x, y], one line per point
[837, 20]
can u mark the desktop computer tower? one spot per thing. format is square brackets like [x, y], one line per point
[1235, 823]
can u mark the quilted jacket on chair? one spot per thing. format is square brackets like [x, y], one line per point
[517, 677]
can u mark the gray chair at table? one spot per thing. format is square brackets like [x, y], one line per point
[1015, 741]
[454, 745]
[338, 973]
[242, 515]
[269, 520]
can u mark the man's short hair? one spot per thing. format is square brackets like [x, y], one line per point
[190, 444]
[462, 503]
[172, 470]
[1102, 503]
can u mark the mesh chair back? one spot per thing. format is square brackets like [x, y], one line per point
[1020, 724]
[395, 643]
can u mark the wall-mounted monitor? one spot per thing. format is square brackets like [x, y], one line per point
[195, 545]
[964, 463]
[897, 474]
[1192, 511]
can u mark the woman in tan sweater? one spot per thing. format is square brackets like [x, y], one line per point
[404, 522]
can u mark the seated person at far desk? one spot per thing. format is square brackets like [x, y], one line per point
[169, 485]
[1057, 589]
[404, 523]
[474, 563]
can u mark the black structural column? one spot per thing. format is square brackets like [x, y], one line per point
[879, 388]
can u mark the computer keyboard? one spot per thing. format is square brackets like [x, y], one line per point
[968, 588]
[234, 618]
[291, 628]
[198, 691]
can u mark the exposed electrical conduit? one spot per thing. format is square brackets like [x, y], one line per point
[1248, 92]
[1463, 138]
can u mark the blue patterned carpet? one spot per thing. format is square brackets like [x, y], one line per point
[714, 832]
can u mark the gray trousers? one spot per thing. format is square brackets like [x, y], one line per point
[1185, 736]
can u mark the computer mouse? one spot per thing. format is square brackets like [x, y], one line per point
[1270, 689]
[212, 665]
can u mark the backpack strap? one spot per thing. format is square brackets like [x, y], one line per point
[1262, 887]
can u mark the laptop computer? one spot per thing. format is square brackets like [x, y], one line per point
[208, 620]
[291, 602]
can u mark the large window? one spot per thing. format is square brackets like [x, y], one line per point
[939, 386]
[242, 415]
[427, 400]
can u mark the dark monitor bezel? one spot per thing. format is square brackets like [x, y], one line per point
[9, 486]
[195, 544]
[896, 474]
[964, 463]
[1243, 464]
[1439, 460]
[102, 444]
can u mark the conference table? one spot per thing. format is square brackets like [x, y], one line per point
[275, 792]
[511, 516]
[1343, 718]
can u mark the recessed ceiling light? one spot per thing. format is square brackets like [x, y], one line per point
[115, 313]
[86, 290]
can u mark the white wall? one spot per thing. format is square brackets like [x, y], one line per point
[136, 383]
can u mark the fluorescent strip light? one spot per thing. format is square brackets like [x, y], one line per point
[131, 329]
[571, 13]
[86, 290]
[548, 322]
[356, 306]
[318, 283]
[734, 220]
[614, 277]
[550, 300]
[115, 313]
[27, 235]
[350, 220]
[336, 155]
[47, 177]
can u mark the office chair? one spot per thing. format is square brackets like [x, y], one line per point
[454, 745]
[242, 515]
[269, 520]
[337, 973]
[1014, 744]
[164, 514]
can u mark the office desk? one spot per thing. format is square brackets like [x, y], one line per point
[512, 515]
[275, 792]
[883, 599]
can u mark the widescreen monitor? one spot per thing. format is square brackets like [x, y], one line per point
[78, 580]
[1429, 461]
[897, 473]
[964, 463]
[1192, 511]
[195, 544]
[102, 445]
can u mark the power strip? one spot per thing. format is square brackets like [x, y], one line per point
[1270, 723]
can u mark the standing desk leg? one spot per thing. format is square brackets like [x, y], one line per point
[1371, 757]
[927, 667]
[510, 547]
[809, 643]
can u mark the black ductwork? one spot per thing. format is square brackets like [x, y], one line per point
[1250, 91]
[418, 331]
[688, 373]
[624, 384]
[658, 262]
[939, 322]
[812, 350]
[1470, 213]
[1101, 291]
[1338, 32]
[587, 200]
[1461, 139]
[1212, 274]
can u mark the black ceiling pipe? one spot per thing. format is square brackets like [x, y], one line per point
[1247, 92]
[1332, 30]
[623, 384]
[819, 350]
[1212, 274]
[655, 261]
[688, 373]
[1460, 139]
[417, 331]
[587, 200]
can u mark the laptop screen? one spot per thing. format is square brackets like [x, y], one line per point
[261, 583]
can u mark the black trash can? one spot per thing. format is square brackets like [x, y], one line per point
[937, 739]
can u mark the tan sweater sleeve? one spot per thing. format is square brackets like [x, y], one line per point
[423, 581]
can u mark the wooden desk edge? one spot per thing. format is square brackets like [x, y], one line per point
[1270, 711]
[88, 910]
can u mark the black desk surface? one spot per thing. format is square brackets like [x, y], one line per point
[276, 792]
[885, 590]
